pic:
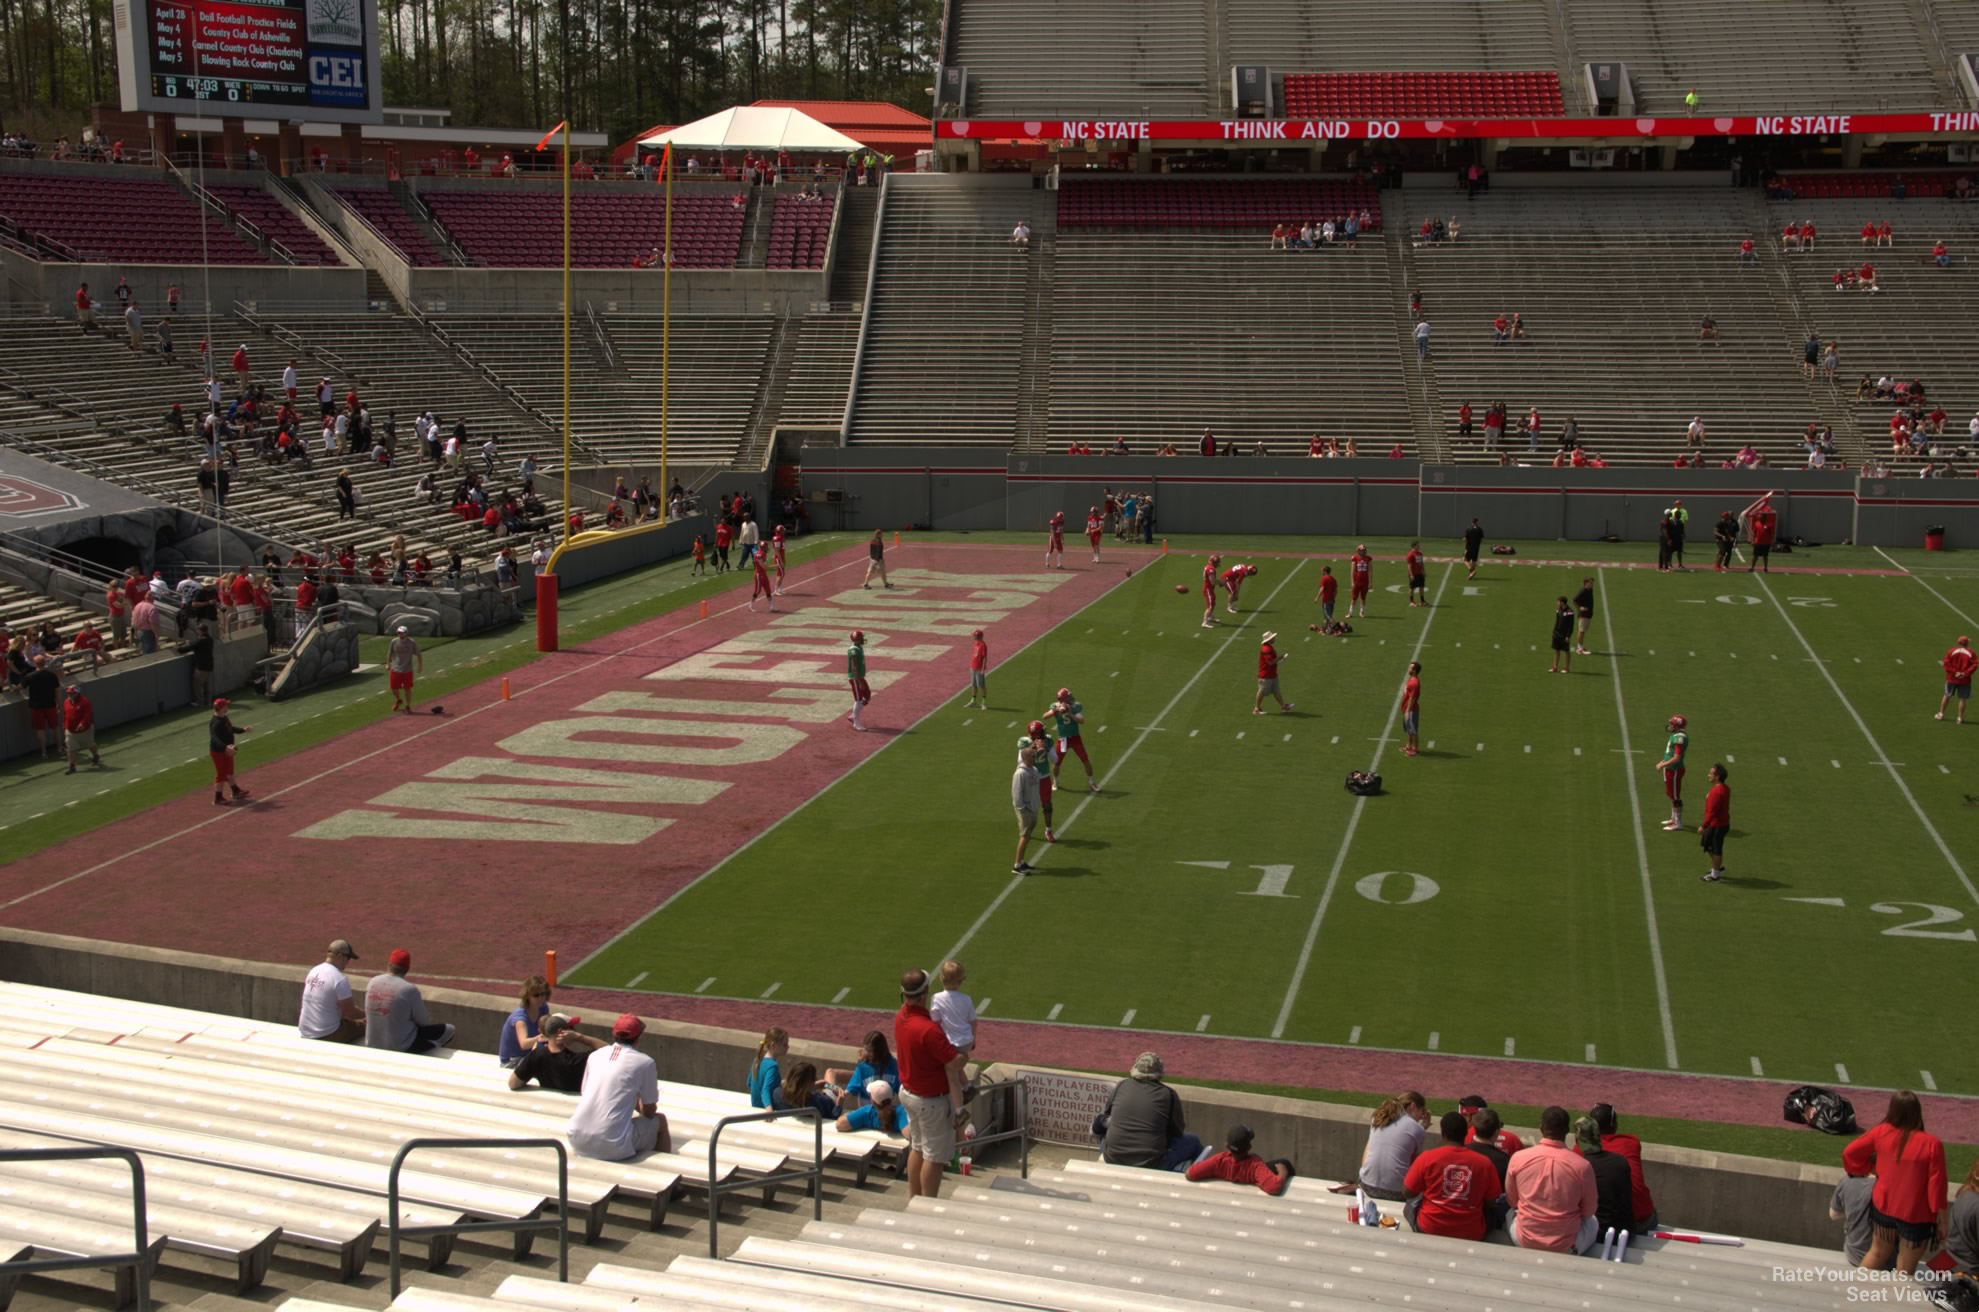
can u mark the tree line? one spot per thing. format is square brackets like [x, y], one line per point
[616, 66]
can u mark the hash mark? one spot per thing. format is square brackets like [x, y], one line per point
[1510, 1047]
[1240, 733]
[1841, 1073]
[1194, 732]
[1435, 1040]
[1128, 1019]
[1102, 728]
[982, 1006]
[1783, 760]
[1114, 675]
[1943, 770]
[633, 983]
[966, 723]
[1202, 1024]
[1899, 660]
[1576, 751]
[1336, 743]
[1757, 1069]
[770, 990]
[1930, 1084]
[1590, 1052]
[1835, 763]
[1528, 748]
[1288, 737]
[705, 983]
[1730, 759]
[1354, 1035]
[1056, 1007]
[1480, 747]
[839, 996]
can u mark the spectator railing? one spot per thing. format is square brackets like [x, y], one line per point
[604, 337]
[400, 1230]
[718, 1187]
[138, 1259]
[1020, 1098]
[866, 319]
[252, 317]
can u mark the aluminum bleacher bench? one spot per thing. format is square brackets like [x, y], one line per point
[736, 1284]
[64, 1236]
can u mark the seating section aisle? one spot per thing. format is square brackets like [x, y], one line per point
[121, 220]
[1256, 206]
[1156, 336]
[1417, 95]
[715, 369]
[1839, 55]
[821, 370]
[510, 228]
[1613, 287]
[1340, 35]
[277, 222]
[382, 210]
[1919, 325]
[800, 230]
[945, 326]
[1152, 62]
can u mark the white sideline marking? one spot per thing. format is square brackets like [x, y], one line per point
[771, 990]
[1590, 1052]
[1435, 1040]
[1641, 849]
[704, 984]
[1930, 1085]
[1056, 1007]
[1346, 838]
[1128, 1019]
[1970, 623]
[955, 952]
[839, 996]
[1202, 1024]
[1354, 1035]
[1957, 868]
[1757, 1069]
[633, 983]
[1510, 1047]
[1841, 1073]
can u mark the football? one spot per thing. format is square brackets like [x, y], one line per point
[1313, 627]
[1182, 587]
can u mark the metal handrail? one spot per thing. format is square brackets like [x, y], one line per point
[816, 1175]
[562, 1223]
[1021, 1132]
[252, 317]
[139, 1260]
[866, 314]
[604, 338]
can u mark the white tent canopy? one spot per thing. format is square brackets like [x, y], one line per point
[754, 128]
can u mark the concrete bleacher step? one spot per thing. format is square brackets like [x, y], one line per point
[51, 1235]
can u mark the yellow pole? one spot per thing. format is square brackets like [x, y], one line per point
[566, 330]
[666, 321]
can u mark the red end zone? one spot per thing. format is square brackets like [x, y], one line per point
[617, 773]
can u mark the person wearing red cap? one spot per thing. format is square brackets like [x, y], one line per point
[79, 726]
[618, 1111]
[979, 672]
[395, 1013]
[1762, 525]
[855, 674]
[1959, 665]
[220, 734]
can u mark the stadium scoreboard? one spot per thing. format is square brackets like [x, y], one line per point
[311, 60]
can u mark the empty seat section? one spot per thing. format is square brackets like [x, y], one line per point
[277, 222]
[1412, 95]
[510, 228]
[389, 219]
[800, 230]
[1153, 61]
[121, 220]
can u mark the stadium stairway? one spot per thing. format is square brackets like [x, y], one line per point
[942, 350]
[853, 254]
[1613, 284]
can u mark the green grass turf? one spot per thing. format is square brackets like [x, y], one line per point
[1536, 939]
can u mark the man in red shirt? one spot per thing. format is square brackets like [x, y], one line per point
[1790, 237]
[1412, 707]
[1362, 571]
[1746, 253]
[1054, 543]
[1865, 278]
[1329, 588]
[1096, 527]
[1449, 1186]
[85, 309]
[1959, 665]
[930, 1087]
[79, 728]
[1267, 676]
[1762, 524]
[1469, 1106]
[1233, 583]
[1464, 420]
[1239, 1165]
[723, 537]
[1717, 822]
[1418, 581]
[242, 374]
[1869, 233]
[1629, 1149]
[978, 673]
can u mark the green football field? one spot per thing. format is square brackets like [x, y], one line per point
[1511, 892]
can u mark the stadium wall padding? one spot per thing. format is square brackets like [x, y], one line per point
[1584, 504]
[1896, 512]
[628, 549]
[1784, 1202]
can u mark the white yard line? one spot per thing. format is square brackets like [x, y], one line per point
[1016, 881]
[1882, 757]
[1641, 847]
[1353, 823]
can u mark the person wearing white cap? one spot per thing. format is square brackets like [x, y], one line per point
[1024, 800]
[882, 1112]
[1268, 657]
[404, 660]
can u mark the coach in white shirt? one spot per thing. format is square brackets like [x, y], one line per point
[328, 1010]
[618, 1112]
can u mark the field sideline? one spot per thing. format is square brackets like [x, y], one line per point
[1511, 895]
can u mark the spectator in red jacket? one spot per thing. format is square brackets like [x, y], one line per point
[1239, 1165]
[242, 374]
[1869, 232]
[1908, 1207]
[1628, 1147]
[1504, 1140]
[79, 728]
[1451, 1188]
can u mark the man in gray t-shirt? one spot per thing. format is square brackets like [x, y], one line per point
[1143, 1123]
[402, 661]
[1024, 800]
[1850, 1206]
[395, 1013]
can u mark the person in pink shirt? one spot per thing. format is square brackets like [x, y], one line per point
[1552, 1192]
[979, 672]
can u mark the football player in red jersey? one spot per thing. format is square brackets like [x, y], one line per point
[1362, 574]
[1418, 578]
[776, 547]
[1233, 583]
[1209, 592]
[1054, 550]
[1094, 526]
